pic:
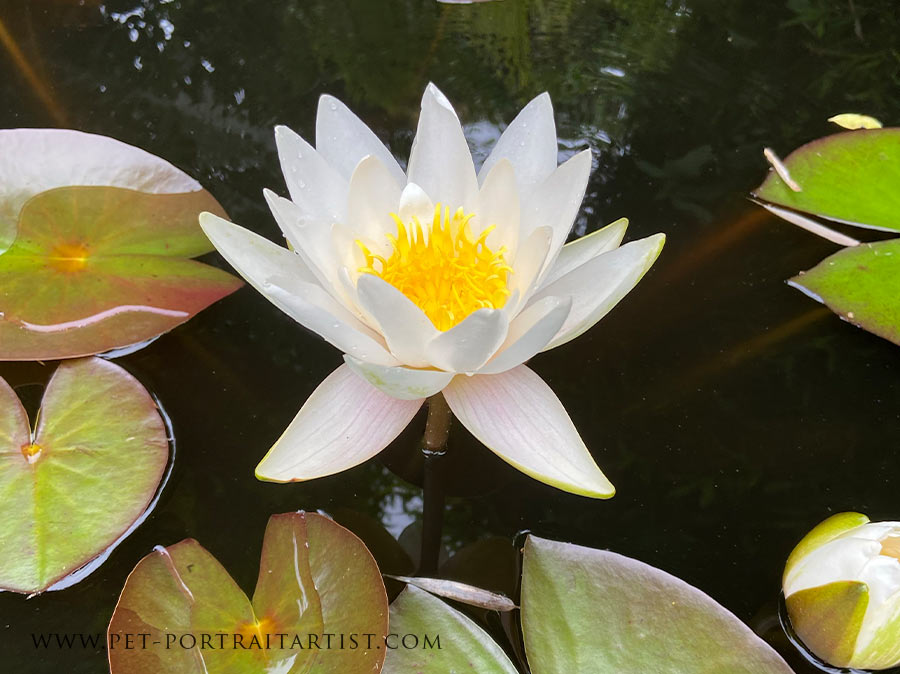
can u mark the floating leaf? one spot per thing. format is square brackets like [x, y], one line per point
[464, 647]
[76, 485]
[37, 160]
[851, 177]
[861, 284]
[317, 584]
[594, 611]
[98, 268]
[461, 592]
[852, 120]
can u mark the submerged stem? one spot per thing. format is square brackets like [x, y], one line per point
[437, 430]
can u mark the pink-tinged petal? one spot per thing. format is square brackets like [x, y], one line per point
[319, 191]
[345, 422]
[581, 250]
[343, 140]
[529, 142]
[597, 286]
[374, 195]
[469, 344]
[400, 382]
[440, 161]
[499, 207]
[518, 417]
[529, 333]
[285, 281]
[556, 201]
[405, 327]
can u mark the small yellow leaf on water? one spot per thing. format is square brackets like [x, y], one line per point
[851, 120]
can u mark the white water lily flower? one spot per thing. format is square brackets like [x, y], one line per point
[842, 591]
[437, 279]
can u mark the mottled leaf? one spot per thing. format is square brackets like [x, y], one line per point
[861, 284]
[464, 647]
[319, 606]
[587, 610]
[95, 462]
[98, 268]
[851, 177]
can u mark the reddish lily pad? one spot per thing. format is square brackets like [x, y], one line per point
[851, 177]
[76, 485]
[861, 284]
[317, 585]
[99, 268]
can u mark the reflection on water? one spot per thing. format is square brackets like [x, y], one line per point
[731, 414]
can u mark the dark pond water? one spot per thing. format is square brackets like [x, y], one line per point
[731, 412]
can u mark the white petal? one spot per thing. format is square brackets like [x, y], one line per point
[319, 191]
[529, 333]
[405, 327]
[498, 206]
[842, 559]
[36, 160]
[281, 276]
[529, 142]
[343, 423]
[440, 161]
[529, 261]
[415, 205]
[597, 286]
[467, 345]
[311, 240]
[400, 382]
[579, 251]
[374, 195]
[343, 140]
[518, 417]
[557, 200]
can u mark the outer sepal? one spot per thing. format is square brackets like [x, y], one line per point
[828, 618]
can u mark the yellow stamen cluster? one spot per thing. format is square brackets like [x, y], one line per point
[442, 269]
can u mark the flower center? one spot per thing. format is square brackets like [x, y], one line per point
[890, 547]
[442, 268]
[69, 257]
[32, 452]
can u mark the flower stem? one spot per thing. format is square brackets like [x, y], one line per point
[437, 430]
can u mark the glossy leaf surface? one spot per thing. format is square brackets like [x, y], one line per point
[315, 579]
[861, 284]
[98, 268]
[465, 647]
[587, 610]
[95, 461]
[851, 177]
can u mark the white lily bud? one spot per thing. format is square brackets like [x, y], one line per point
[842, 591]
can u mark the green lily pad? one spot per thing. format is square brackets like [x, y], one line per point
[76, 485]
[464, 647]
[317, 585]
[99, 268]
[851, 177]
[861, 284]
[587, 610]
